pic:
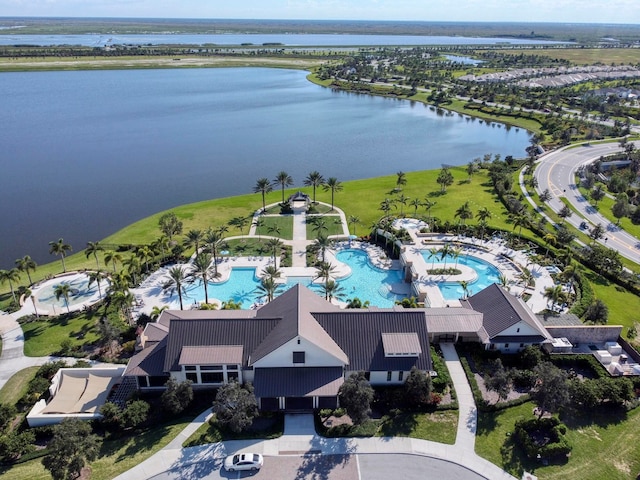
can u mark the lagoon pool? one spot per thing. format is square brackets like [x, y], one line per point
[487, 275]
[365, 282]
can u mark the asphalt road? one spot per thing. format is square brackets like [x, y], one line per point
[331, 467]
[556, 172]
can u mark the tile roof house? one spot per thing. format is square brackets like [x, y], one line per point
[296, 350]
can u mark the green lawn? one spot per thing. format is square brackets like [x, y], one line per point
[44, 337]
[16, 387]
[283, 226]
[440, 426]
[603, 446]
[333, 224]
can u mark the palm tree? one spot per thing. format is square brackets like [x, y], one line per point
[271, 271]
[268, 288]
[519, 220]
[321, 244]
[433, 254]
[550, 239]
[193, 239]
[156, 311]
[112, 257]
[92, 249]
[263, 186]
[25, 264]
[96, 277]
[332, 289]
[415, 203]
[402, 200]
[314, 179]
[401, 181]
[554, 295]
[564, 213]
[145, 254]
[63, 290]
[161, 245]
[284, 180]
[215, 241]
[202, 270]
[258, 223]
[484, 214]
[455, 253]
[503, 280]
[429, 204]
[334, 185]
[527, 278]
[444, 253]
[10, 276]
[274, 244]
[134, 267]
[318, 225]
[274, 230]
[325, 270]
[464, 212]
[353, 220]
[239, 223]
[60, 248]
[176, 281]
[386, 205]
[123, 299]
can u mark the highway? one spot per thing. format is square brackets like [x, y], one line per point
[556, 172]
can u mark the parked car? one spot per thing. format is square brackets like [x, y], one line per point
[583, 225]
[243, 461]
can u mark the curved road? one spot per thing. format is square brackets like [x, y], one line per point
[556, 172]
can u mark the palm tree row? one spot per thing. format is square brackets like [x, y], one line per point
[314, 179]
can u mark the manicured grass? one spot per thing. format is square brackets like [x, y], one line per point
[268, 427]
[16, 387]
[284, 224]
[440, 426]
[44, 337]
[116, 456]
[623, 305]
[333, 223]
[604, 445]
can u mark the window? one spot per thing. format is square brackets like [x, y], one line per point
[388, 376]
[522, 345]
[232, 376]
[400, 375]
[367, 376]
[193, 376]
[506, 345]
[211, 367]
[298, 357]
[191, 368]
[212, 377]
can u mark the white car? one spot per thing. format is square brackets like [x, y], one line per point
[243, 461]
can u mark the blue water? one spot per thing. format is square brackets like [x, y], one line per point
[83, 151]
[487, 275]
[97, 40]
[366, 282]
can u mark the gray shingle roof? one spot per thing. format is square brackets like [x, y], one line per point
[502, 310]
[295, 308]
[359, 333]
[297, 382]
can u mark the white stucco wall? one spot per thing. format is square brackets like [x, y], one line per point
[283, 356]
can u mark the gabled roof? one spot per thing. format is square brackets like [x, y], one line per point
[448, 320]
[359, 333]
[296, 308]
[401, 344]
[211, 355]
[502, 310]
[149, 361]
[212, 330]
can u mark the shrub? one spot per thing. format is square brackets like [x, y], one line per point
[550, 428]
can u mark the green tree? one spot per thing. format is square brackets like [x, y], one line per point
[170, 225]
[215, 242]
[597, 193]
[332, 289]
[417, 389]
[314, 180]
[177, 396]
[445, 179]
[239, 223]
[284, 180]
[176, 282]
[202, 269]
[621, 208]
[263, 186]
[10, 276]
[498, 380]
[464, 212]
[72, 446]
[235, 406]
[268, 288]
[551, 392]
[63, 290]
[113, 258]
[334, 185]
[597, 312]
[14, 444]
[60, 248]
[194, 238]
[415, 203]
[353, 221]
[564, 213]
[26, 264]
[274, 245]
[355, 396]
[429, 204]
[401, 180]
[92, 249]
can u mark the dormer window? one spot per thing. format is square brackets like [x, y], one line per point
[298, 357]
[401, 344]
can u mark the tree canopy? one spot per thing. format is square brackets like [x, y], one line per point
[235, 406]
[356, 395]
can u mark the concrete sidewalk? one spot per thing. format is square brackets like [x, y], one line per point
[300, 438]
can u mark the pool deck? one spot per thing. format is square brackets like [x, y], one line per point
[510, 263]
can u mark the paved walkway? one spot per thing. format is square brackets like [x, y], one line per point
[300, 438]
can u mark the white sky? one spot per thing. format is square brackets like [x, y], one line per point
[579, 11]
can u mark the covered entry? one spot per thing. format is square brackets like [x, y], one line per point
[298, 388]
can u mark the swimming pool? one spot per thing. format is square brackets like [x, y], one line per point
[365, 282]
[80, 291]
[487, 275]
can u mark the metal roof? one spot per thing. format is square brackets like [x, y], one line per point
[401, 344]
[148, 362]
[297, 382]
[448, 320]
[211, 355]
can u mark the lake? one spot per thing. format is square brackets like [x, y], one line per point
[86, 153]
[229, 39]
